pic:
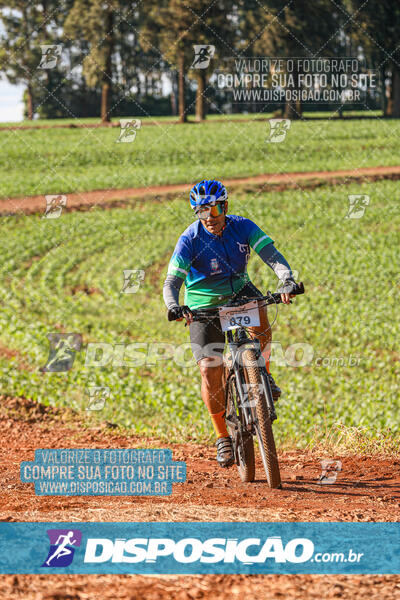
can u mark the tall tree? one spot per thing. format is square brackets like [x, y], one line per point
[213, 24]
[94, 20]
[174, 27]
[25, 30]
[296, 29]
[164, 29]
[375, 26]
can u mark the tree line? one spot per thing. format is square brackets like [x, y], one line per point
[119, 57]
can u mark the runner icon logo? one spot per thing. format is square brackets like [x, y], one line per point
[54, 206]
[97, 397]
[203, 53]
[50, 56]
[357, 206]
[129, 129]
[330, 470]
[278, 130]
[132, 280]
[63, 543]
[63, 347]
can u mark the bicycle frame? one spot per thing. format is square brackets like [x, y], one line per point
[237, 339]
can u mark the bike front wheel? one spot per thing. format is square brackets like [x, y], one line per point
[263, 424]
[242, 440]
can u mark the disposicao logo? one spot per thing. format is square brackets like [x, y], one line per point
[63, 543]
[190, 550]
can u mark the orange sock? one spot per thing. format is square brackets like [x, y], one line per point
[219, 424]
[266, 354]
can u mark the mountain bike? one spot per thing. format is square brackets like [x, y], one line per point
[249, 406]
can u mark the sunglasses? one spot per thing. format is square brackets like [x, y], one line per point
[213, 209]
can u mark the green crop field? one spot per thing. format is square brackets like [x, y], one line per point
[54, 161]
[65, 275]
[77, 121]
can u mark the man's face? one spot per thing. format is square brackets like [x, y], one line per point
[215, 224]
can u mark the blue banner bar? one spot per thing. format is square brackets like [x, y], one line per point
[200, 548]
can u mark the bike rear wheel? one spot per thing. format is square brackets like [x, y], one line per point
[242, 440]
[263, 426]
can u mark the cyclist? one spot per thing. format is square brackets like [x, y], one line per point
[211, 258]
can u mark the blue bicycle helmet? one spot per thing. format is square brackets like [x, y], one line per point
[207, 190]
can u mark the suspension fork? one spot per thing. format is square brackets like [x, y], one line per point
[242, 339]
[236, 350]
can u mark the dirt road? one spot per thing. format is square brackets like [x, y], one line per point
[115, 197]
[367, 489]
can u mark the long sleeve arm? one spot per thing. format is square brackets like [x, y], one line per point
[171, 288]
[278, 263]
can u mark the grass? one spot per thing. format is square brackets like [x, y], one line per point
[65, 275]
[54, 161]
[77, 121]
[361, 441]
[212, 117]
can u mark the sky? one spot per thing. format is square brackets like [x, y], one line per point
[11, 105]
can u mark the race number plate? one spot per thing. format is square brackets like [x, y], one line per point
[246, 315]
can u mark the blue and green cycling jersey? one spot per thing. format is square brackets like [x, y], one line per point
[214, 267]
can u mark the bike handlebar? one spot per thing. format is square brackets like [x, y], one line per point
[277, 299]
[269, 299]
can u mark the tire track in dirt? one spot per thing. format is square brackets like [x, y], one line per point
[367, 489]
[110, 198]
